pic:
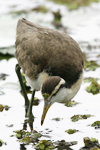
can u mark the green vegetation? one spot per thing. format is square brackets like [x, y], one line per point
[42, 9]
[74, 4]
[71, 131]
[71, 103]
[1, 108]
[79, 117]
[91, 143]
[3, 76]
[90, 79]
[5, 56]
[6, 107]
[90, 65]
[36, 101]
[27, 137]
[57, 16]
[57, 19]
[96, 124]
[93, 88]
[1, 142]
[44, 145]
[56, 119]
[7, 52]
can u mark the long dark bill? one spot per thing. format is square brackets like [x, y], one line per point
[45, 109]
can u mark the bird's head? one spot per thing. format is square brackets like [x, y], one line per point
[51, 91]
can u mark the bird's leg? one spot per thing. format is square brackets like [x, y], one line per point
[17, 69]
[25, 125]
[28, 105]
[29, 112]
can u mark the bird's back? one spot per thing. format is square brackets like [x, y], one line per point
[39, 49]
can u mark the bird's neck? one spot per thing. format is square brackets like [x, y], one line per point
[66, 94]
[36, 83]
[42, 77]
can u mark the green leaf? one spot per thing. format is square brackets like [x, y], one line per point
[94, 140]
[1, 108]
[70, 103]
[71, 131]
[96, 124]
[19, 135]
[79, 117]
[90, 65]
[36, 135]
[90, 79]
[93, 88]
[41, 146]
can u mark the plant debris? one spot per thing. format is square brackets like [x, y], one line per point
[96, 124]
[5, 56]
[74, 4]
[36, 101]
[11, 125]
[71, 103]
[71, 131]
[79, 117]
[7, 52]
[42, 9]
[93, 88]
[57, 19]
[57, 16]
[27, 137]
[90, 65]
[61, 145]
[1, 108]
[90, 79]
[1, 143]
[3, 76]
[4, 107]
[91, 144]
[26, 140]
[56, 119]
[44, 145]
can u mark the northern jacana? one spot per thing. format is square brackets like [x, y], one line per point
[51, 61]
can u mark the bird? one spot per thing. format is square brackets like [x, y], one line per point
[51, 61]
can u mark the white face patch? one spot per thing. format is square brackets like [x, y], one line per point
[62, 81]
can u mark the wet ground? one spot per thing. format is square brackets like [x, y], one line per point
[84, 26]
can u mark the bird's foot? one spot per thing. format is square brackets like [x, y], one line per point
[29, 120]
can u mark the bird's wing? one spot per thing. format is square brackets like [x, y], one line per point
[28, 40]
[38, 47]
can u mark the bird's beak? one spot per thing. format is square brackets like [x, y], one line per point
[45, 109]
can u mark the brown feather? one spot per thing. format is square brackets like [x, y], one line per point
[39, 49]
